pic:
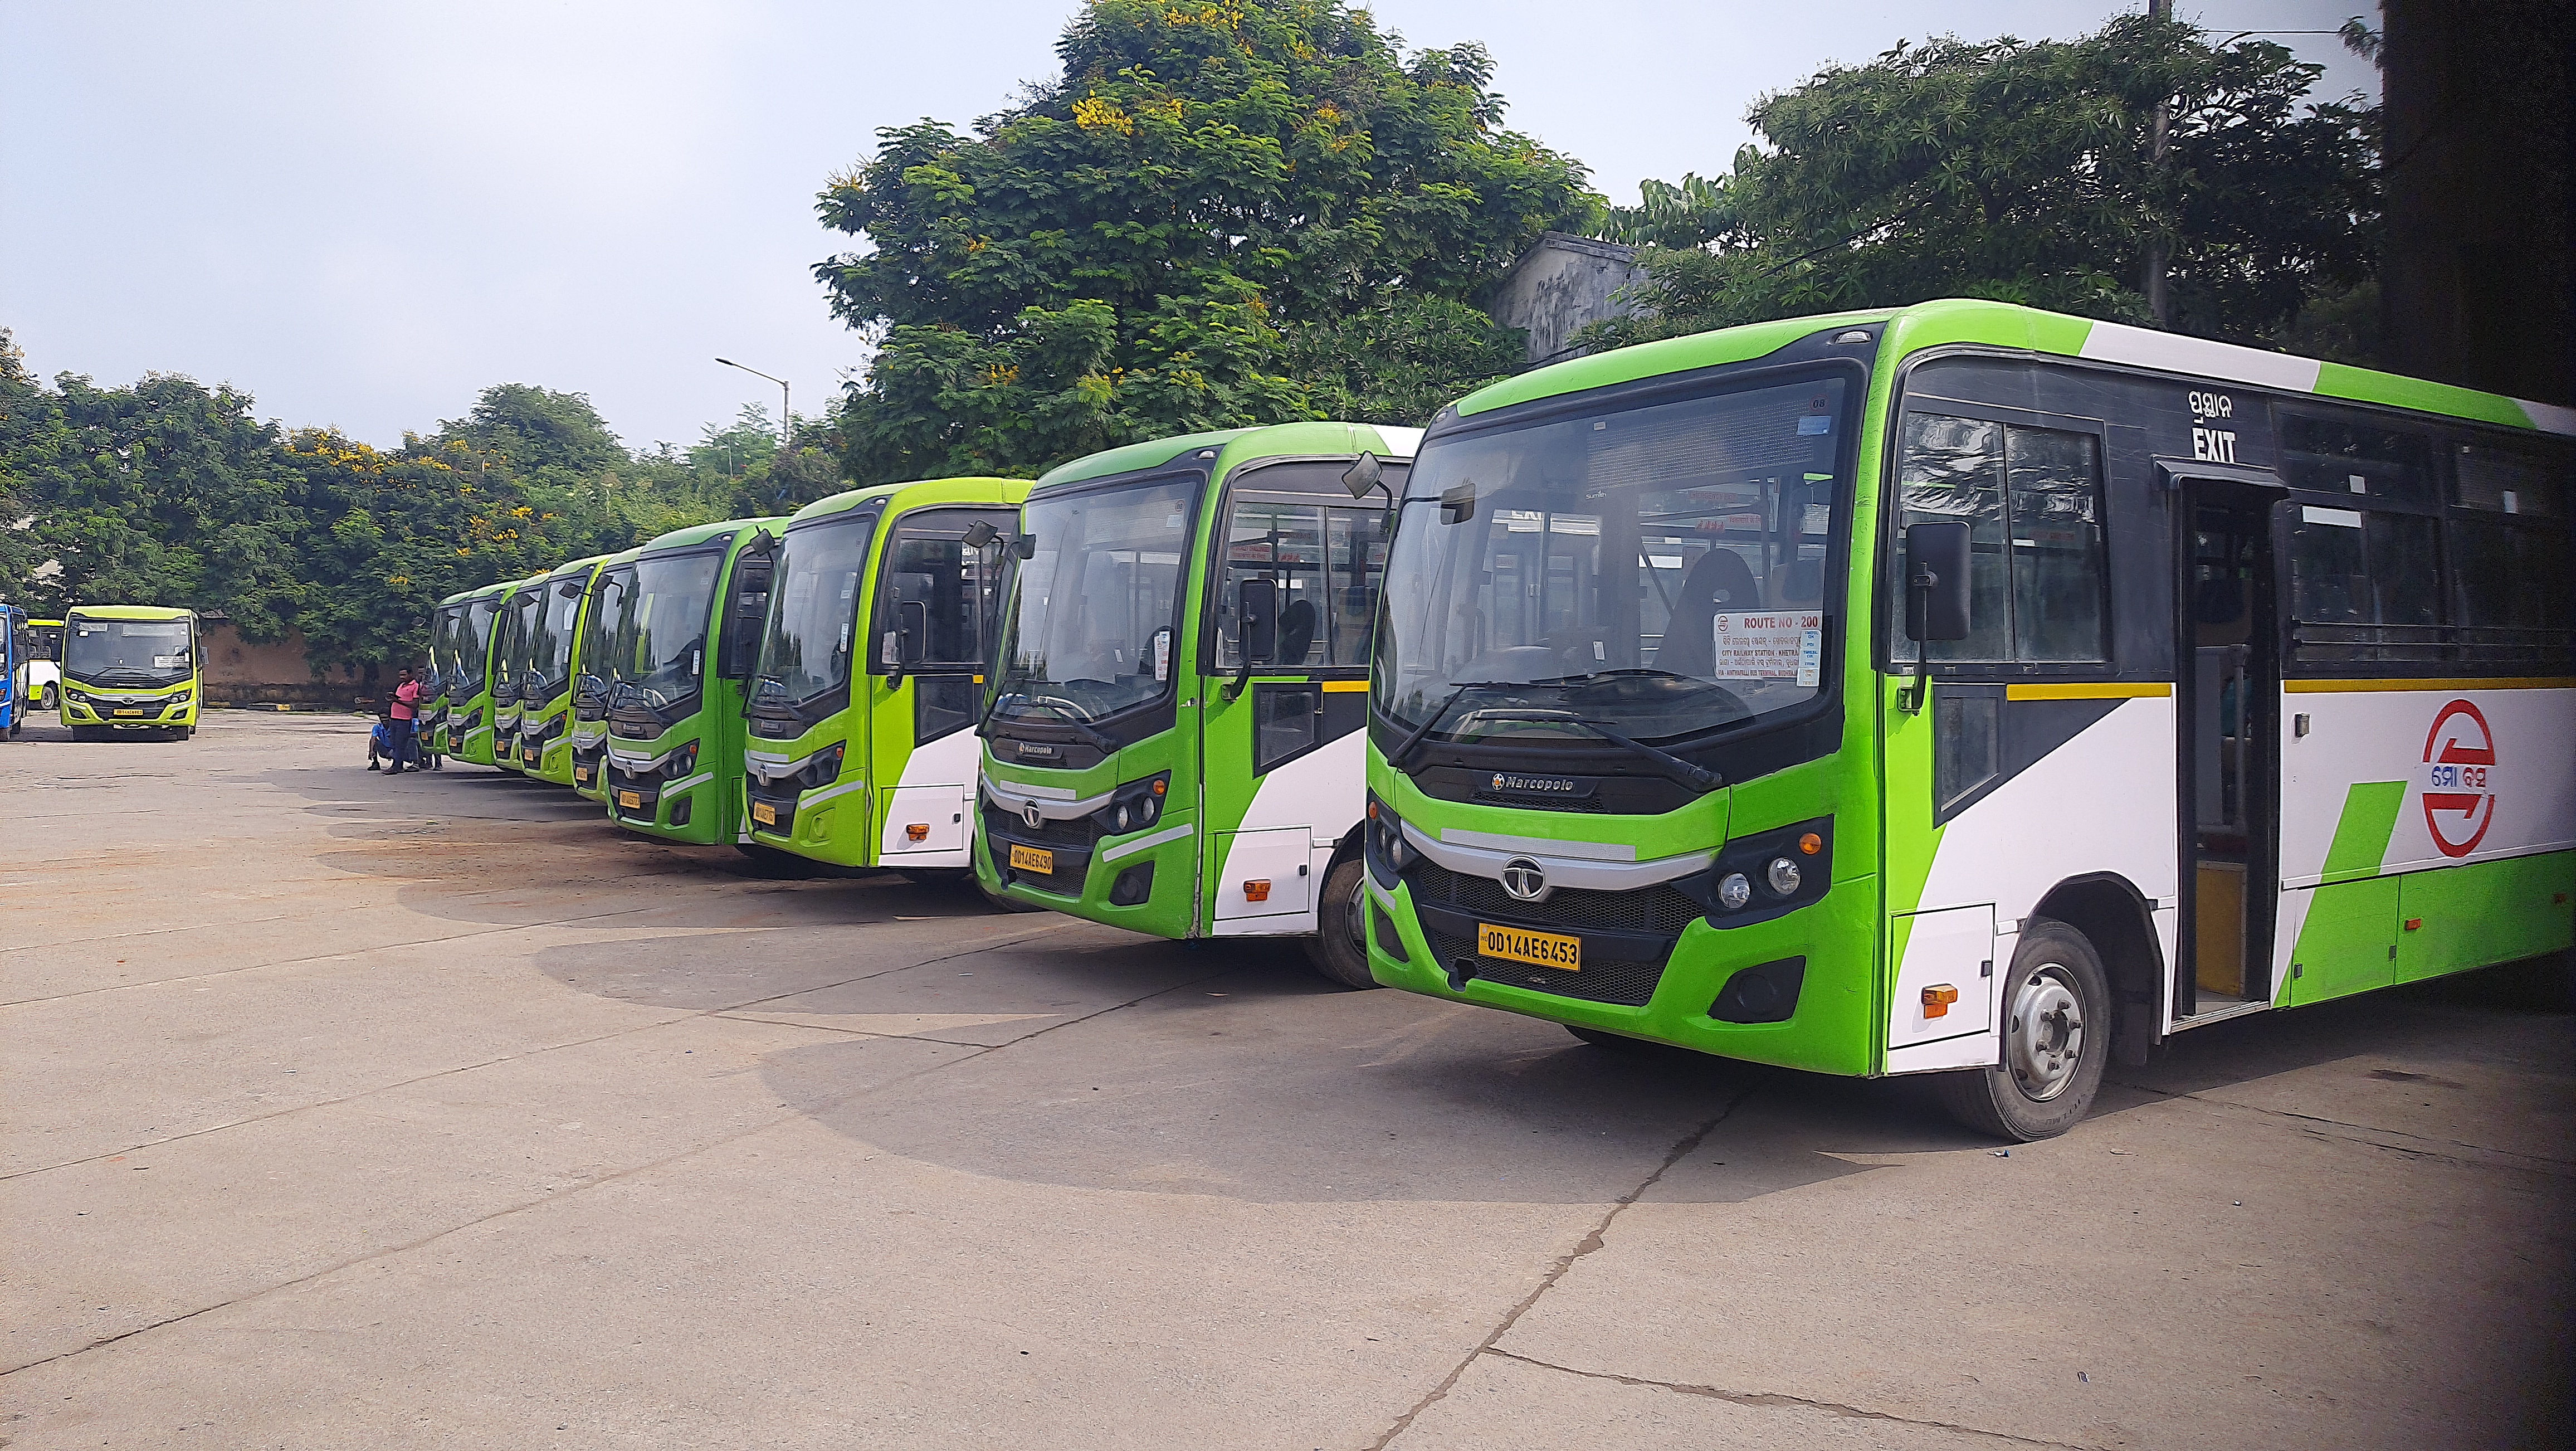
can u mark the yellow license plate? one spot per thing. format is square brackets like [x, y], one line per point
[764, 813]
[129, 712]
[581, 774]
[1540, 949]
[1032, 859]
[631, 800]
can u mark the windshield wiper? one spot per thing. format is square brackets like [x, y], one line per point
[1698, 778]
[1092, 738]
[1397, 757]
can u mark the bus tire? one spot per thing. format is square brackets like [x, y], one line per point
[2057, 1037]
[46, 699]
[1339, 949]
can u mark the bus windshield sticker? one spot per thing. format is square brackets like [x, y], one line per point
[1785, 645]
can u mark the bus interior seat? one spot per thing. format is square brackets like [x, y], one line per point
[1718, 580]
[1296, 632]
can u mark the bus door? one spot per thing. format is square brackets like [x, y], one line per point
[1282, 744]
[937, 610]
[2227, 729]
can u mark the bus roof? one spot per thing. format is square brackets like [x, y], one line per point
[965, 489]
[2010, 325]
[578, 566]
[1235, 445]
[701, 533]
[130, 612]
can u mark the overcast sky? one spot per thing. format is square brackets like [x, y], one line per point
[365, 214]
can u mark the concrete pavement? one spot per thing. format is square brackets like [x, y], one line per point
[433, 1111]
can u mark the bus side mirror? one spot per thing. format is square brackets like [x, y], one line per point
[1026, 546]
[1936, 580]
[1363, 476]
[1256, 619]
[979, 534]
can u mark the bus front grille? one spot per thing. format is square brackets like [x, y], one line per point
[1658, 909]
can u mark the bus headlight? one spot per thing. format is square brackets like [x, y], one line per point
[1733, 891]
[1137, 805]
[1783, 876]
[1386, 843]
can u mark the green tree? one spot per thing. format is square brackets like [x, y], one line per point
[2029, 172]
[1206, 194]
[538, 428]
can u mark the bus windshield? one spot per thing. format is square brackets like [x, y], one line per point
[128, 652]
[512, 669]
[806, 650]
[1656, 571]
[465, 663]
[550, 631]
[1078, 630]
[444, 626]
[657, 643]
[608, 600]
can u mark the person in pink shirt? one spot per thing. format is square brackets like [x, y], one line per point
[405, 714]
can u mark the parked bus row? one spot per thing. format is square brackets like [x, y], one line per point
[1958, 689]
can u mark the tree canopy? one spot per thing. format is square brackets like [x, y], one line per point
[2028, 172]
[1206, 197]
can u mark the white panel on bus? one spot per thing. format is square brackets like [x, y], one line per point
[1275, 864]
[940, 809]
[1948, 952]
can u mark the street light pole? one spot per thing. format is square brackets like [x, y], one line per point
[784, 412]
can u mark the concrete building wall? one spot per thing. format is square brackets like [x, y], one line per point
[239, 672]
[1561, 283]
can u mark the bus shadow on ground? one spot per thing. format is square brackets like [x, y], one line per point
[1274, 1093]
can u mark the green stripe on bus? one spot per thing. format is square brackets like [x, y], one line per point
[2361, 835]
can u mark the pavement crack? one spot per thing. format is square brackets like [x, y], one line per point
[1774, 1398]
[1564, 1263]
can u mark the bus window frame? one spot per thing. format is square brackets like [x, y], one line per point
[1243, 485]
[1888, 606]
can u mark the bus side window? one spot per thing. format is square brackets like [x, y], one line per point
[2032, 500]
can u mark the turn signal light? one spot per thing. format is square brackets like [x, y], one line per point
[1257, 890]
[918, 831]
[1937, 1000]
[2414, 924]
[1810, 844]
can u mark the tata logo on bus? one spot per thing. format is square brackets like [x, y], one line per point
[2459, 764]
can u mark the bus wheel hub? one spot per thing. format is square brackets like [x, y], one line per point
[2045, 1038]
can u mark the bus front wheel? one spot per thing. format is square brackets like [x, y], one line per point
[1339, 948]
[2057, 1036]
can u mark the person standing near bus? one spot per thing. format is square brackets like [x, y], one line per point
[404, 712]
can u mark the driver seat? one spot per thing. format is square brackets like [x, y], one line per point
[1718, 580]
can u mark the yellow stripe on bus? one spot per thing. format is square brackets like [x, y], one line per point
[2342, 687]
[1343, 687]
[2088, 690]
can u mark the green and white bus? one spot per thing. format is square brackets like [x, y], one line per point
[513, 635]
[554, 659]
[590, 677]
[1173, 738]
[1972, 690]
[130, 668]
[466, 667]
[679, 623]
[861, 750]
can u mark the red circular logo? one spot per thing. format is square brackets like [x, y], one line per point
[2459, 757]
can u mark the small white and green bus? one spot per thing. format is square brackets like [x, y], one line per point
[679, 623]
[589, 740]
[1172, 742]
[861, 750]
[131, 670]
[1970, 690]
[514, 632]
[468, 622]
